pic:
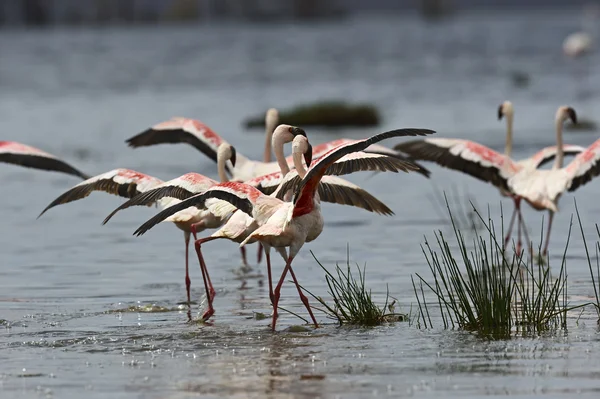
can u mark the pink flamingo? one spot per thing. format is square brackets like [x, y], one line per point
[284, 224]
[129, 183]
[484, 163]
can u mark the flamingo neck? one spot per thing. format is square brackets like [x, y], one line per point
[560, 154]
[509, 134]
[221, 160]
[297, 157]
[278, 142]
[268, 137]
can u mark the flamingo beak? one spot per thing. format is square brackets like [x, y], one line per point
[233, 156]
[296, 131]
[500, 112]
[308, 156]
[572, 115]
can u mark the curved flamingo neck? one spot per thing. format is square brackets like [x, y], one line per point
[221, 161]
[297, 157]
[278, 142]
[560, 152]
[509, 135]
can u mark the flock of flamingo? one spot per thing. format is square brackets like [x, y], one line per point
[277, 204]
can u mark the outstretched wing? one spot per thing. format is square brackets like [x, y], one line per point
[182, 187]
[31, 157]
[305, 190]
[465, 156]
[240, 195]
[584, 167]
[122, 182]
[180, 130]
[548, 154]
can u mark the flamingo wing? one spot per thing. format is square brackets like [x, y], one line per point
[240, 195]
[31, 157]
[336, 190]
[584, 167]
[180, 130]
[181, 188]
[304, 193]
[465, 156]
[548, 154]
[122, 182]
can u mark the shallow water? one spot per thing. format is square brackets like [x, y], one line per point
[65, 279]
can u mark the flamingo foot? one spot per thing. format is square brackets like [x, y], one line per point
[208, 314]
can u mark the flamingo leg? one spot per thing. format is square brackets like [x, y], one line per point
[548, 233]
[244, 259]
[510, 225]
[519, 225]
[210, 291]
[188, 282]
[259, 254]
[269, 275]
[277, 293]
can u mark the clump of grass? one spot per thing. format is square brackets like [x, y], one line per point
[495, 296]
[352, 301]
[328, 113]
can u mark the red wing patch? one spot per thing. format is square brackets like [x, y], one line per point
[18, 148]
[585, 157]
[196, 178]
[133, 175]
[206, 132]
[485, 153]
[241, 189]
[264, 178]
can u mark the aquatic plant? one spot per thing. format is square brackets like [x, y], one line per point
[496, 296]
[326, 113]
[352, 301]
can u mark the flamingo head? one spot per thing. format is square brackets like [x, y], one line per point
[300, 145]
[505, 109]
[227, 152]
[565, 112]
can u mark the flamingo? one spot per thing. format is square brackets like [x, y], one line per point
[129, 183]
[332, 189]
[284, 224]
[31, 157]
[204, 139]
[484, 163]
[543, 188]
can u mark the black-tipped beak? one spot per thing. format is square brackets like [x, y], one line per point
[500, 112]
[233, 156]
[296, 131]
[572, 115]
[308, 156]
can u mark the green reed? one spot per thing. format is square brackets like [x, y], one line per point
[352, 301]
[477, 288]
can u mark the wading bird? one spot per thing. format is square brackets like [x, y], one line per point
[284, 224]
[484, 163]
[129, 183]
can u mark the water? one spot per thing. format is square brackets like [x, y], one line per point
[80, 93]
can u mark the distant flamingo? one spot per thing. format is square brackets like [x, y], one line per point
[129, 183]
[284, 224]
[204, 139]
[31, 157]
[542, 188]
[484, 163]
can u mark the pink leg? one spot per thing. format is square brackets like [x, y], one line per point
[244, 259]
[210, 291]
[277, 293]
[188, 282]
[520, 224]
[269, 275]
[510, 225]
[260, 252]
[548, 233]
